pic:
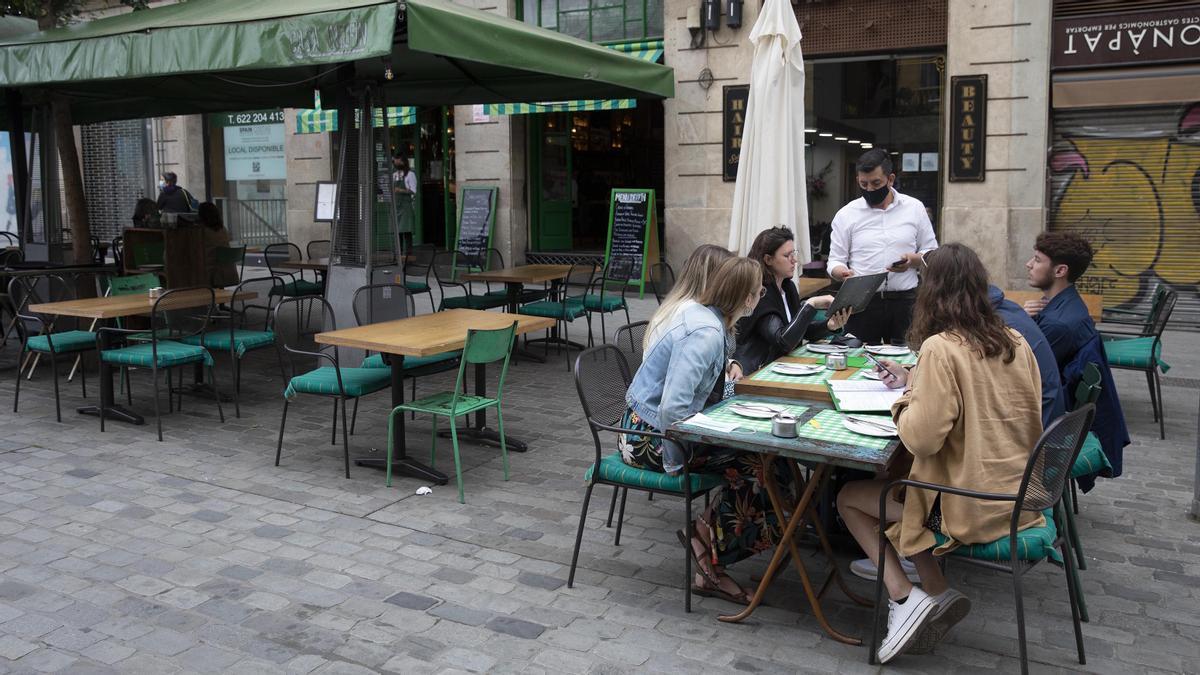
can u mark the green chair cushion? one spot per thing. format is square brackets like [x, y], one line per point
[66, 341]
[240, 342]
[294, 289]
[604, 303]
[573, 309]
[1091, 459]
[613, 470]
[411, 362]
[1142, 353]
[472, 302]
[323, 382]
[170, 353]
[416, 286]
[444, 404]
[1033, 543]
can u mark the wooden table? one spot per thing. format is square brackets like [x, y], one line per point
[800, 390]
[514, 280]
[826, 455]
[301, 265]
[1095, 303]
[808, 286]
[426, 335]
[121, 306]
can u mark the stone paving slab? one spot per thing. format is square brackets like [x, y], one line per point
[121, 554]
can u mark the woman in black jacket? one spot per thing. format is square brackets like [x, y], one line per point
[781, 320]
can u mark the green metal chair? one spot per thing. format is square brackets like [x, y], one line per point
[570, 305]
[1143, 350]
[448, 269]
[163, 347]
[482, 347]
[607, 293]
[332, 380]
[47, 334]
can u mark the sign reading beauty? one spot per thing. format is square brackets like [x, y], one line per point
[734, 112]
[1133, 38]
[968, 128]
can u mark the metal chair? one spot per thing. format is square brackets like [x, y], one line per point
[118, 252]
[1090, 460]
[662, 280]
[47, 334]
[332, 380]
[495, 261]
[297, 285]
[1041, 489]
[482, 347]
[417, 269]
[317, 249]
[448, 268]
[1143, 351]
[223, 258]
[572, 293]
[601, 379]
[163, 347]
[9, 239]
[629, 340]
[602, 298]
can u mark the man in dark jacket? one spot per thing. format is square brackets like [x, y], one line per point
[172, 198]
[1054, 402]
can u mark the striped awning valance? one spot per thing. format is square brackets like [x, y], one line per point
[315, 120]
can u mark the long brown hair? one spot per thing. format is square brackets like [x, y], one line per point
[767, 243]
[728, 289]
[693, 279]
[953, 298]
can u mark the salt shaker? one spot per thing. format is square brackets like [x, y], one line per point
[835, 361]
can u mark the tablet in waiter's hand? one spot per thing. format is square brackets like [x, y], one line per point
[856, 293]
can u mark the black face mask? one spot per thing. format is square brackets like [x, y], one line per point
[876, 197]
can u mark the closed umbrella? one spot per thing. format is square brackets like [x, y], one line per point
[771, 188]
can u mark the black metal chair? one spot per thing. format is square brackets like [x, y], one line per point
[448, 269]
[1142, 350]
[629, 339]
[572, 293]
[1041, 489]
[495, 261]
[662, 280]
[47, 334]
[601, 378]
[118, 252]
[607, 293]
[417, 268]
[9, 239]
[295, 285]
[317, 249]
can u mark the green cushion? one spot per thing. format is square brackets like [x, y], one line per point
[550, 309]
[66, 341]
[416, 286]
[411, 362]
[472, 302]
[605, 303]
[294, 289]
[169, 354]
[1091, 459]
[1033, 543]
[444, 404]
[1137, 353]
[240, 342]
[612, 469]
[323, 381]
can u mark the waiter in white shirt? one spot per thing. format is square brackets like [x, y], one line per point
[883, 230]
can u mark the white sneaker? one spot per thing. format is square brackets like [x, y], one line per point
[865, 569]
[905, 622]
[952, 606]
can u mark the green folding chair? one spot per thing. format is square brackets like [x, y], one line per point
[482, 347]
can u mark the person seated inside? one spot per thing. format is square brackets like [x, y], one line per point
[1059, 260]
[216, 237]
[781, 320]
[969, 417]
[145, 213]
[684, 357]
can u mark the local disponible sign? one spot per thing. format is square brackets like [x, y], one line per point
[736, 97]
[1118, 39]
[968, 128]
[254, 146]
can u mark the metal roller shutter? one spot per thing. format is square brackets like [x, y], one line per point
[1128, 179]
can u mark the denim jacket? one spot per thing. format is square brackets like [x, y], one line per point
[678, 371]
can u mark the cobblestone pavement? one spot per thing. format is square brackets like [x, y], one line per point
[123, 554]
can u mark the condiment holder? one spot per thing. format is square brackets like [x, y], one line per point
[835, 361]
[156, 292]
[783, 425]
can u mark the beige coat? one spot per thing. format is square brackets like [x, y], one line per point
[969, 422]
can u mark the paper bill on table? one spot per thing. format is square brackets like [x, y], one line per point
[863, 395]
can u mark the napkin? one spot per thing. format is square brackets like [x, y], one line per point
[702, 420]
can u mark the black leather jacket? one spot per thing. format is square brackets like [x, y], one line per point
[766, 335]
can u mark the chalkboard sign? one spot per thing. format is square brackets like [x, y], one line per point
[476, 215]
[633, 232]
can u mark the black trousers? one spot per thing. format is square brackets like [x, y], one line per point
[885, 320]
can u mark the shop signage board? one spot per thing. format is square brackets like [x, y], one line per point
[476, 218]
[254, 145]
[968, 128]
[1167, 36]
[633, 232]
[733, 124]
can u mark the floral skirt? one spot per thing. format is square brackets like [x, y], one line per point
[743, 521]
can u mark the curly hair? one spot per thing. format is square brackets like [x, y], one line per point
[1066, 248]
[953, 298]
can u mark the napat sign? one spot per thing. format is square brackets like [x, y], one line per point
[1136, 37]
[255, 152]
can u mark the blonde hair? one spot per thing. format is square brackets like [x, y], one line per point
[732, 283]
[693, 279]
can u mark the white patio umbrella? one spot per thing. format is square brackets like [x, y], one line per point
[771, 189]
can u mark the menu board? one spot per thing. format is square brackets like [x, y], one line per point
[633, 230]
[476, 215]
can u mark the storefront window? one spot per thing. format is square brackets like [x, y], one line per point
[598, 20]
[250, 184]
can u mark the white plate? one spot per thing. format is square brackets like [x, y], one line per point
[888, 350]
[870, 373]
[797, 369]
[755, 413]
[866, 429]
[827, 349]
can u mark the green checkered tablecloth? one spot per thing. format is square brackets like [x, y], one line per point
[855, 357]
[827, 426]
[724, 414]
[769, 375]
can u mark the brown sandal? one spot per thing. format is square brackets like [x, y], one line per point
[703, 565]
[743, 598]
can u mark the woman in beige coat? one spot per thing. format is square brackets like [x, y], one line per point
[969, 417]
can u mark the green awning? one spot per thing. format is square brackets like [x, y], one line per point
[650, 51]
[231, 55]
[315, 121]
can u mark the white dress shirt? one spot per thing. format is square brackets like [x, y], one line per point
[868, 240]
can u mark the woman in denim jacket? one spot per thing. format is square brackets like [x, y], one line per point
[685, 357]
